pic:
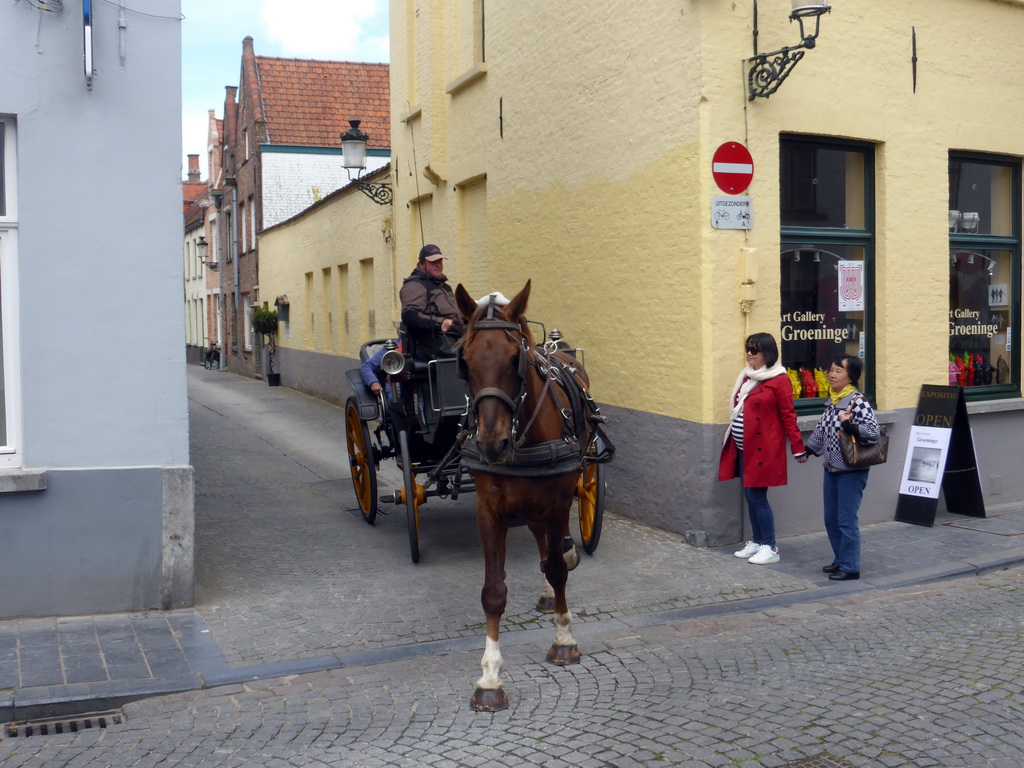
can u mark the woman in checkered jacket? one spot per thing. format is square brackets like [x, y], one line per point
[843, 485]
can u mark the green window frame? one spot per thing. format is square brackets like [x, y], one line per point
[827, 227]
[985, 274]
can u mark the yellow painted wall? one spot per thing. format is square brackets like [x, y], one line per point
[592, 130]
[338, 271]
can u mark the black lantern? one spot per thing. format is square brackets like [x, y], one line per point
[353, 150]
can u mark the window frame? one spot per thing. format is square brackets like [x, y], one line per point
[11, 453]
[823, 237]
[1012, 243]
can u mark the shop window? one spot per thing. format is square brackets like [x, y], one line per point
[984, 275]
[826, 262]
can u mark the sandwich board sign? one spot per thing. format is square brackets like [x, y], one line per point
[940, 457]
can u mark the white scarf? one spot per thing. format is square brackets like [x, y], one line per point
[751, 377]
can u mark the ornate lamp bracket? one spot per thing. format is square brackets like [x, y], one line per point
[769, 70]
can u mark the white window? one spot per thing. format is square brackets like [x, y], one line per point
[252, 224]
[241, 222]
[247, 315]
[10, 379]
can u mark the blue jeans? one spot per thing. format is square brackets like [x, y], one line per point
[762, 521]
[842, 493]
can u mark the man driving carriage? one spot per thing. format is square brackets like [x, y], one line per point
[429, 312]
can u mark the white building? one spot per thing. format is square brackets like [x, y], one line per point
[94, 408]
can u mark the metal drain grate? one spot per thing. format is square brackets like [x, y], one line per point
[50, 726]
[818, 761]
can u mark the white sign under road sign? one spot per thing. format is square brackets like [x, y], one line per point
[732, 212]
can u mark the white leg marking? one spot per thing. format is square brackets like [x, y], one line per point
[492, 664]
[548, 590]
[563, 633]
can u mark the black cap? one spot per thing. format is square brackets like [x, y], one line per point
[430, 252]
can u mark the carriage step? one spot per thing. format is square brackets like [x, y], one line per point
[388, 498]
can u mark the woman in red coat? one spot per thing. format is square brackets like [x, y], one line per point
[755, 444]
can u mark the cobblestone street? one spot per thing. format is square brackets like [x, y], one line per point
[316, 642]
[920, 676]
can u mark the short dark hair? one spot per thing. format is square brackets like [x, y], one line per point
[853, 367]
[765, 344]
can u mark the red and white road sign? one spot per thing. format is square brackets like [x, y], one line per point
[733, 167]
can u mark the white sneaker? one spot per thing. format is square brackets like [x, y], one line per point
[749, 549]
[765, 555]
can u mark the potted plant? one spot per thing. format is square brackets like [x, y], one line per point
[264, 321]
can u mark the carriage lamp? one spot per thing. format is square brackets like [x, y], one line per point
[353, 152]
[393, 362]
[769, 70]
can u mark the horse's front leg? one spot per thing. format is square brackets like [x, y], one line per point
[564, 649]
[490, 695]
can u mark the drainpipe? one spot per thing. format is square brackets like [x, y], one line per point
[219, 200]
[239, 324]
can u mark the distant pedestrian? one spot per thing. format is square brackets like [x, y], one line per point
[762, 419]
[843, 485]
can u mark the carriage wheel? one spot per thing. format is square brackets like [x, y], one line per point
[590, 494]
[361, 461]
[412, 496]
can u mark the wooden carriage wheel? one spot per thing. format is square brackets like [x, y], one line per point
[590, 495]
[361, 461]
[412, 496]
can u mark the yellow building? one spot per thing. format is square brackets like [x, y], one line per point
[574, 144]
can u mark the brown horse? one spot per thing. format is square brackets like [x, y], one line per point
[524, 451]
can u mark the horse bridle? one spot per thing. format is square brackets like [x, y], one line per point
[490, 323]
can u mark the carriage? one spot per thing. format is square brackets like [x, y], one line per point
[420, 424]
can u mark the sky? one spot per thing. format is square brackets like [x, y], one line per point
[211, 40]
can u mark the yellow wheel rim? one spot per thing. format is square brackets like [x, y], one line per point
[359, 460]
[586, 491]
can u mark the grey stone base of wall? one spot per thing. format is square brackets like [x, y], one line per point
[316, 374]
[98, 541]
[665, 474]
[665, 471]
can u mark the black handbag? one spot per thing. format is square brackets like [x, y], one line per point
[859, 454]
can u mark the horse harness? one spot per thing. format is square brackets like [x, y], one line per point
[553, 457]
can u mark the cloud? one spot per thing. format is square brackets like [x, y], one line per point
[328, 29]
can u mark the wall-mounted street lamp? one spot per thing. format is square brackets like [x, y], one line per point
[353, 150]
[203, 248]
[769, 70]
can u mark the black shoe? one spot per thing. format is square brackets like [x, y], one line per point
[833, 568]
[843, 576]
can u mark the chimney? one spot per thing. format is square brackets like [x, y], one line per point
[193, 168]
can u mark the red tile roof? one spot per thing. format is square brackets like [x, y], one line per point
[307, 102]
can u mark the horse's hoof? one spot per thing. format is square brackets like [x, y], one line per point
[563, 655]
[489, 700]
[545, 605]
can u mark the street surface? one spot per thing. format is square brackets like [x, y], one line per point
[922, 675]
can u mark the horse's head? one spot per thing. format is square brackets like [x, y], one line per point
[494, 350]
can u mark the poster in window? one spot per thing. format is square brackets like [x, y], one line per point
[851, 286]
[999, 295]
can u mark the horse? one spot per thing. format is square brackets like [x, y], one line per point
[531, 422]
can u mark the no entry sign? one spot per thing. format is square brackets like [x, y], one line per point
[733, 167]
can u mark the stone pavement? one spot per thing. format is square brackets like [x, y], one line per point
[291, 581]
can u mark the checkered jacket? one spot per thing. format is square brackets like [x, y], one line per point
[824, 439]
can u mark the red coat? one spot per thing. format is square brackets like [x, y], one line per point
[768, 419]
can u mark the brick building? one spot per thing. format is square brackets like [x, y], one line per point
[280, 153]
